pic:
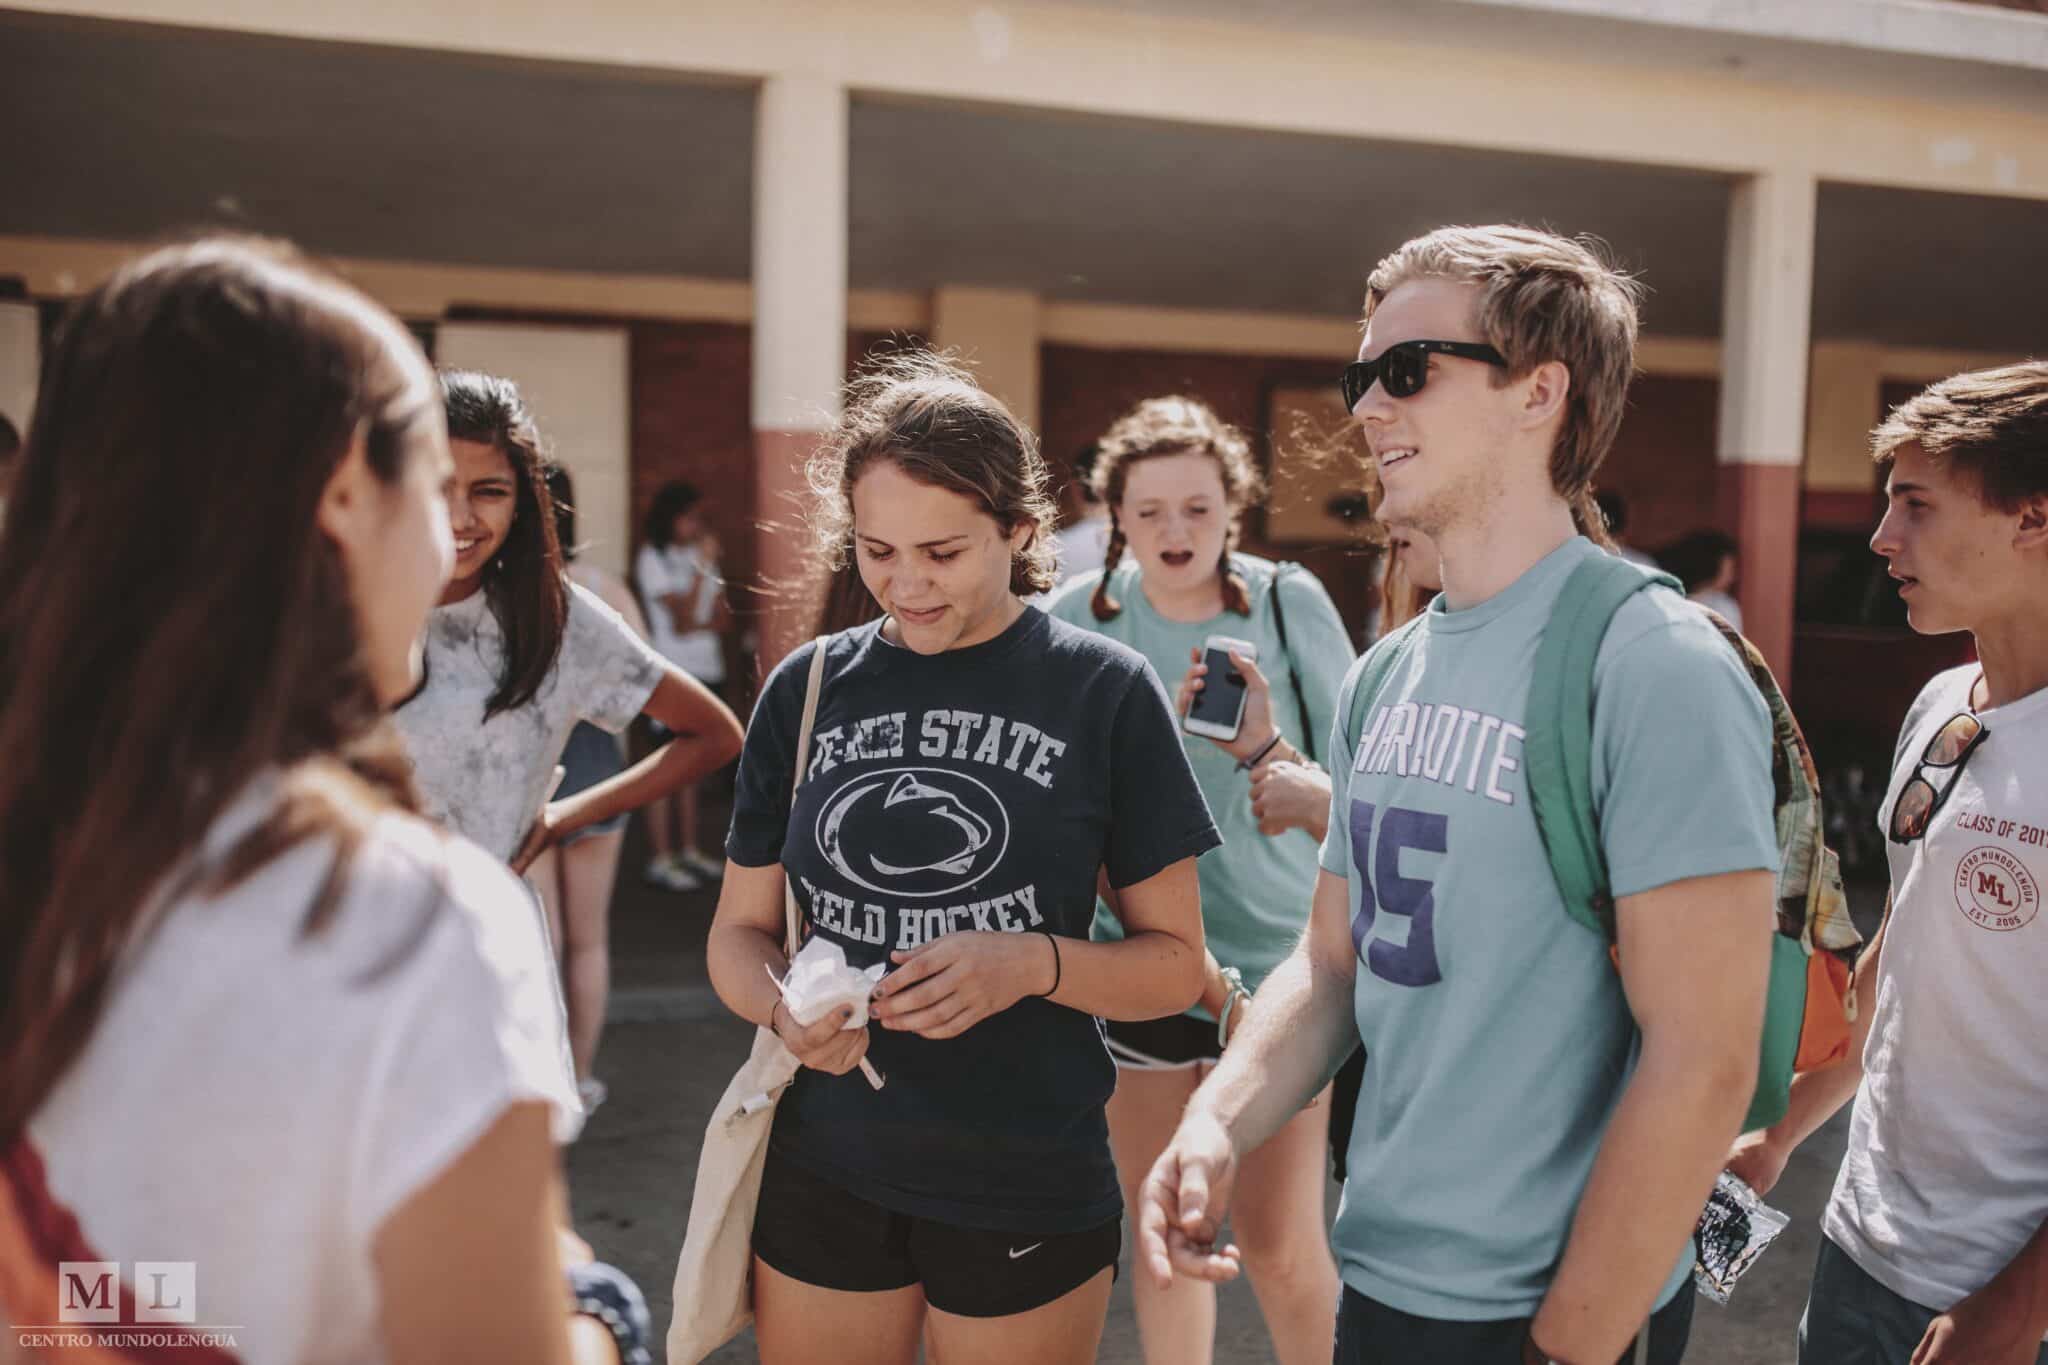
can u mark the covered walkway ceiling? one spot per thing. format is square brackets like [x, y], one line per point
[127, 131]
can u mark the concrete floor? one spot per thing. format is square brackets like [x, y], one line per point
[671, 1049]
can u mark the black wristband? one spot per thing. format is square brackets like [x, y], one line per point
[1245, 765]
[1058, 969]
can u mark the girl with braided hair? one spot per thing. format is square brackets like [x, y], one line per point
[1177, 480]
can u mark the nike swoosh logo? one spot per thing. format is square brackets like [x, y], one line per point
[1026, 1251]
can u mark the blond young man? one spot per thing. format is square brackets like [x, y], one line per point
[1537, 1131]
[1935, 1247]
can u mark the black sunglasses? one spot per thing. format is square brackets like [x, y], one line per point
[1403, 368]
[1919, 799]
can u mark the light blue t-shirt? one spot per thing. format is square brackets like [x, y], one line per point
[1257, 888]
[1498, 1034]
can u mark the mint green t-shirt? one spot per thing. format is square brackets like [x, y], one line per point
[1256, 889]
[1498, 1035]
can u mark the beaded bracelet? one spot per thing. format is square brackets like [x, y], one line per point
[1234, 979]
[605, 1293]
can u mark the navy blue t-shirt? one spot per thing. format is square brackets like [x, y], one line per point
[978, 789]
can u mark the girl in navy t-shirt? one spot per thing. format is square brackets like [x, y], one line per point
[973, 765]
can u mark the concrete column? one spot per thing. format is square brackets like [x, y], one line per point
[997, 331]
[1765, 326]
[1844, 392]
[799, 356]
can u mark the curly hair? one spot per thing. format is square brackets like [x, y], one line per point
[1174, 425]
[926, 414]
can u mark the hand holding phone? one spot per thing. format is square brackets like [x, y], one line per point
[1216, 709]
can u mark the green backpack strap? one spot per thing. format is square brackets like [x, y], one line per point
[1379, 661]
[1557, 751]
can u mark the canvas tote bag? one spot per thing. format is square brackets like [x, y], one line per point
[712, 1298]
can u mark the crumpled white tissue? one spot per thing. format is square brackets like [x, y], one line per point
[819, 981]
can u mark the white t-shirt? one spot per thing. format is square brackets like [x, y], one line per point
[255, 1102]
[1946, 1176]
[676, 569]
[1083, 547]
[486, 779]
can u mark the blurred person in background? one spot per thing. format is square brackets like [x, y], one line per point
[1084, 540]
[1614, 512]
[1708, 563]
[677, 571]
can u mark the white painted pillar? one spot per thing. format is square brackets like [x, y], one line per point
[997, 332]
[578, 382]
[1845, 387]
[21, 352]
[799, 350]
[1766, 324]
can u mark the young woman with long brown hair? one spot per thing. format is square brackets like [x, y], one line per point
[974, 763]
[259, 1017]
[516, 654]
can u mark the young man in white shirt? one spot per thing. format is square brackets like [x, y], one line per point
[1936, 1240]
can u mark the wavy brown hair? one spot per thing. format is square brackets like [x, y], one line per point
[927, 415]
[1174, 425]
[173, 623]
[524, 583]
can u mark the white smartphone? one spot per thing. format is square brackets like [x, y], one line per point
[1218, 709]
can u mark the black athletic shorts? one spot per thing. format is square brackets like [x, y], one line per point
[812, 1230]
[1174, 1043]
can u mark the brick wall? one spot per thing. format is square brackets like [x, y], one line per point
[690, 420]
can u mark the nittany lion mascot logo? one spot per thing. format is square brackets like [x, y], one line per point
[914, 831]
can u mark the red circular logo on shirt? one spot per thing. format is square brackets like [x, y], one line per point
[1996, 891]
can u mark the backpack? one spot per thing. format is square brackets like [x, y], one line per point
[1809, 1008]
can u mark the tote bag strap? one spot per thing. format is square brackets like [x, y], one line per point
[792, 917]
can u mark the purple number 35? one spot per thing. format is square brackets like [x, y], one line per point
[1381, 887]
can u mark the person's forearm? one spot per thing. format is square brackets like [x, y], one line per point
[1145, 975]
[1816, 1097]
[734, 956]
[1818, 1094]
[2021, 1289]
[1215, 987]
[1656, 1166]
[1298, 1029]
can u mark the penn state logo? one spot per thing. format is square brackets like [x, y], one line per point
[914, 831]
